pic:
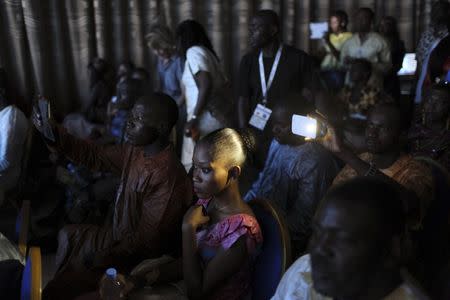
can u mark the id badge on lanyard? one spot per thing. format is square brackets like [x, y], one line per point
[261, 115]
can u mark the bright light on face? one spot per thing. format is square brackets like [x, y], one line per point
[304, 126]
[311, 128]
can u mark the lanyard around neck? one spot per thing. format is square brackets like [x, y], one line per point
[265, 86]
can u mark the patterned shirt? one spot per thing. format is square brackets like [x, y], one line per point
[369, 96]
[427, 39]
[223, 235]
[406, 171]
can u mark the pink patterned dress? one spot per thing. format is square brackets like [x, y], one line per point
[223, 235]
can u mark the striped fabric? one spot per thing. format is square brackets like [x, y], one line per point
[46, 45]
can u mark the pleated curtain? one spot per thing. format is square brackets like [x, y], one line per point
[45, 45]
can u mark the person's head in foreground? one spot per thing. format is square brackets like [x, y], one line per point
[294, 103]
[218, 160]
[384, 129]
[151, 119]
[161, 41]
[264, 29]
[357, 237]
[338, 21]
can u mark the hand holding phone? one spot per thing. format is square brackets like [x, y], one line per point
[315, 126]
[311, 127]
[41, 117]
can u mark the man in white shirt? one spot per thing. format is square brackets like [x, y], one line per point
[14, 127]
[368, 45]
[356, 247]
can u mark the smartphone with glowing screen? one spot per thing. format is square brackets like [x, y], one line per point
[308, 127]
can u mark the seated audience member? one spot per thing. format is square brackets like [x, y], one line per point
[385, 158]
[356, 248]
[389, 30]
[368, 45]
[153, 194]
[91, 118]
[332, 71]
[204, 84]
[432, 136]
[124, 70]
[293, 71]
[360, 95]
[221, 236]
[296, 174]
[142, 76]
[170, 68]
[100, 93]
[13, 134]
[128, 91]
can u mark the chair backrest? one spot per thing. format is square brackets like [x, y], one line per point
[32, 276]
[275, 255]
[22, 227]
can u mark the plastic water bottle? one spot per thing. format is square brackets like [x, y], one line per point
[111, 287]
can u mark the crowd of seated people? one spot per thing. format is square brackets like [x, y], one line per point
[154, 177]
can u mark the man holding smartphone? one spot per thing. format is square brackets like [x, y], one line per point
[296, 174]
[385, 159]
[153, 195]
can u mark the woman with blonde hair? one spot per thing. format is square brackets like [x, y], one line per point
[170, 66]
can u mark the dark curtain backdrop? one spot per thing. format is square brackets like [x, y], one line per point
[47, 44]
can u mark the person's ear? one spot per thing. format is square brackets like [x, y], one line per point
[234, 172]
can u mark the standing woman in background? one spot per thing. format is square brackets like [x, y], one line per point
[332, 73]
[203, 82]
[170, 67]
